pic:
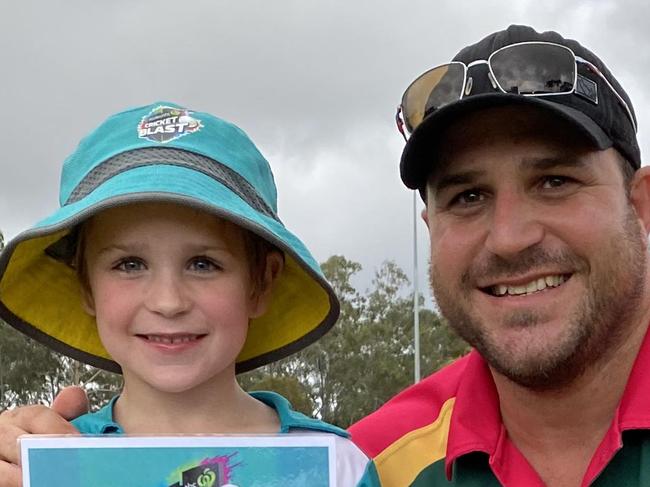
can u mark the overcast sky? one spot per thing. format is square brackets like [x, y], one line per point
[314, 83]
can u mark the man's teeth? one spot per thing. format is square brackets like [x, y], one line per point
[530, 288]
[172, 340]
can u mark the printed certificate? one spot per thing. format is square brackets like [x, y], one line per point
[179, 461]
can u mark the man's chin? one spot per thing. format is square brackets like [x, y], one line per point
[538, 366]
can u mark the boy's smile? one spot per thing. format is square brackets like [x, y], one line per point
[171, 289]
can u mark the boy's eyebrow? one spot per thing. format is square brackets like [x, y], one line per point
[139, 247]
[121, 247]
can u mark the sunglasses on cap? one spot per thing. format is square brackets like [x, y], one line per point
[526, 68]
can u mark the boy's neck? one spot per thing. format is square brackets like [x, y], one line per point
[212, 408]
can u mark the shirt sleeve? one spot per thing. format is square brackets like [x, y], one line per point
[351, 463]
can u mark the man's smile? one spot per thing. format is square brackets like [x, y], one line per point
[525, 288]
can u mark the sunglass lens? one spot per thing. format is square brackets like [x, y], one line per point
[432, 90]
[527, 69]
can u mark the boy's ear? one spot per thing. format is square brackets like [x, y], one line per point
[640, 197]
[87, 300]
[261, 296]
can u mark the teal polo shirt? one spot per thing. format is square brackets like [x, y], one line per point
[350, 461]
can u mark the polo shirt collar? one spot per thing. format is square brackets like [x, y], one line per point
[476, 419]
[289, 419]
[476, 424]
[104, 418]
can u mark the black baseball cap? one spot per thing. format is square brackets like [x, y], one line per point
[600, 116]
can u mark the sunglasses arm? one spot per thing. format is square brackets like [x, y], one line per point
[400, 122]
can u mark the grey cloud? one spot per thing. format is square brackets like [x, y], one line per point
[314, 83]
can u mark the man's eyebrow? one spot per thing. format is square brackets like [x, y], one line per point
[545, 163]
[450, 179]
[455, 179]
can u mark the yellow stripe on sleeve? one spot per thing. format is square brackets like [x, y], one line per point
[400, 463]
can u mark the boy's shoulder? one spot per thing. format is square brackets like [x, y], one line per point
[350, 461]
[291, 419]
[99, 422]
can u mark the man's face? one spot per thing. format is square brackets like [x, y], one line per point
[537, 257]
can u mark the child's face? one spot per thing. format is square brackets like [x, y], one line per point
[171, 291]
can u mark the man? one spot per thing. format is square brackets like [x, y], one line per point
[524, 150]
[538, 215]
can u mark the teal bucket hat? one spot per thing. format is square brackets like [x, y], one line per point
[161, 152]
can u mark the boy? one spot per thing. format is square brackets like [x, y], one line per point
[167, 263]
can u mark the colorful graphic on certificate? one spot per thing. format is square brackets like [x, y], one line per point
[179, 461]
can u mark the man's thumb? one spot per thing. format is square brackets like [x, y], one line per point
[71, 402]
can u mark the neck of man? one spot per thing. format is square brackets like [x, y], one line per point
[220, 407]
[559, 431]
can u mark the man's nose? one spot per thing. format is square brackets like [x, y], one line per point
[514, 225]
[167, 295]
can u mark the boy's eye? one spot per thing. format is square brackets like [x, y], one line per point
[203, 264]
[130, 264]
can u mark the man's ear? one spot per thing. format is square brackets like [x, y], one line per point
[262, 296]
[640, 196]
[425, 216]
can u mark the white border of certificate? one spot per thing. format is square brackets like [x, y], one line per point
[195, 441]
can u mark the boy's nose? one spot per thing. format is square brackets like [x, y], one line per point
[167, 296]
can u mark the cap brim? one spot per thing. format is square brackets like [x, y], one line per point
[419, 152]
[41, 295]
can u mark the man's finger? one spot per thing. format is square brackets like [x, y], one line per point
[10, 475]
[36, 420]
[9, 449]
[21, 421]
[71, 402]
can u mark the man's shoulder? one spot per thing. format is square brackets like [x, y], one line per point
[416, 407]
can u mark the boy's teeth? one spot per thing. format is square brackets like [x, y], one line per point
[529, 288]
[171, 340]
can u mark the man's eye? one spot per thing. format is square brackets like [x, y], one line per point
[469, 197]
[203, 264]
[554, 182]
[130, 265]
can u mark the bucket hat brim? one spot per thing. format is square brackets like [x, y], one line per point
[41, 296]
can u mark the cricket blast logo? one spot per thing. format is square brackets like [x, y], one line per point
[164, 124]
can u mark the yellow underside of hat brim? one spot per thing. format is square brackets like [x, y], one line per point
[45, 294]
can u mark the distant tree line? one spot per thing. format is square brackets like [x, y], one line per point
[364, 360]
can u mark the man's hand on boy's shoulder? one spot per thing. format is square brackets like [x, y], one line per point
[70, 403]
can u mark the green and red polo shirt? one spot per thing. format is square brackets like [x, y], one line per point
[447, 430]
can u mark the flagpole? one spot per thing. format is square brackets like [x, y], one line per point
[416, 293]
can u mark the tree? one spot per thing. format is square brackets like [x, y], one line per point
[31, 373]
[368, 356]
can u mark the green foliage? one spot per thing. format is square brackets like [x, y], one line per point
[298, 394]
[368, 356]
[30, 373]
